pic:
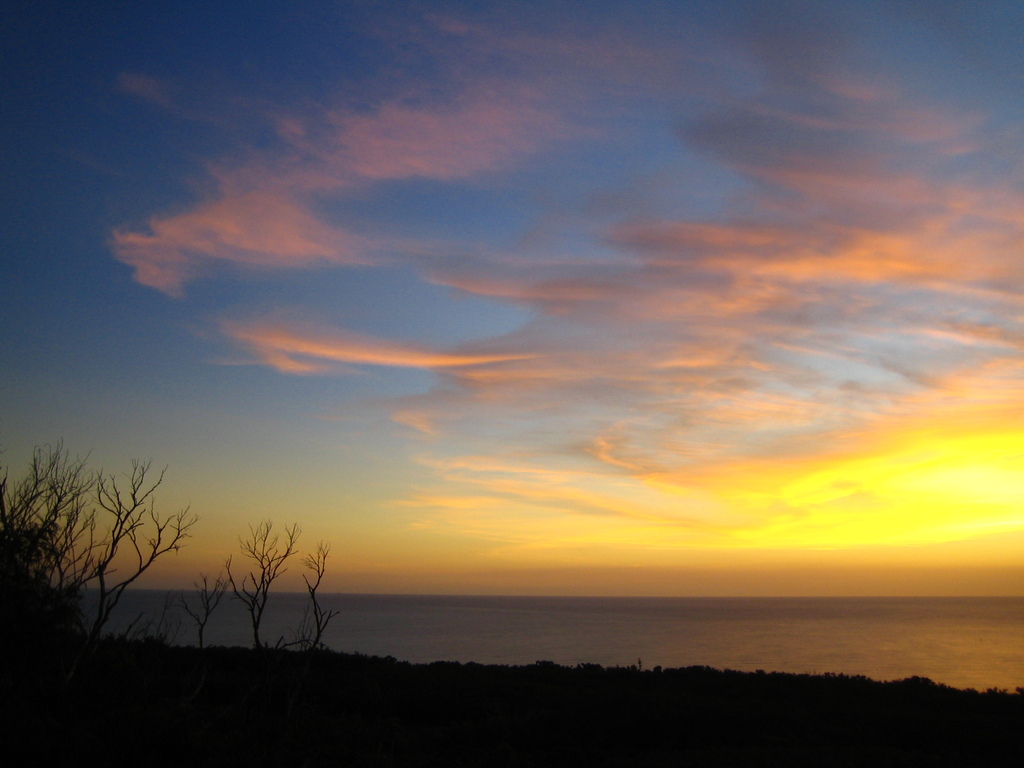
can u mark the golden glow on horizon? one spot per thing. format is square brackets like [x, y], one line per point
[917, 487]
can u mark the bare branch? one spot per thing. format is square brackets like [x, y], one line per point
[316, 622]
[268, 555]
[134, 525]
[64, 528]
[209, 596]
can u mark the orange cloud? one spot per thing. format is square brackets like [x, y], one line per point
[294, 349]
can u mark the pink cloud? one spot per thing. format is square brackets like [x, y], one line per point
[255, 229]
[144, 87]
[479, 133]
[263, 213]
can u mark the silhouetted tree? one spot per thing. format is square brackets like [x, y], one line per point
[63, 529]
[268, 556]
[135, 531]
[208, 598]
[317, 618]
[45, 529]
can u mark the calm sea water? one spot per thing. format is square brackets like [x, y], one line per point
[964, 642]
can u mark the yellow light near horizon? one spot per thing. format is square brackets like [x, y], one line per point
[927, 490]
[921, 489]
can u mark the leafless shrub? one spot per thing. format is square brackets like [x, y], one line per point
[208, 597]
[316, 618]
[268, 555]
[135, 530]
[64, 528]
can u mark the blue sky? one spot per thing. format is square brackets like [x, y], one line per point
[511, 297]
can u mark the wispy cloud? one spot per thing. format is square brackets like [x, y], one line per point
[265, 210]
[856, 274]
[736, 369]
[479, 133]
[145, 87]
[303, 349]
[255, 229]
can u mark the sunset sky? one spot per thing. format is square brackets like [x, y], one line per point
[667, 298]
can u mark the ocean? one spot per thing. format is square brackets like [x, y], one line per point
[975, 642]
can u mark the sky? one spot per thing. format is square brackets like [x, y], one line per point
[657, 298]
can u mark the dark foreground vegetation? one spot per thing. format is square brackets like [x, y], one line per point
[72, 695]
[145, 703]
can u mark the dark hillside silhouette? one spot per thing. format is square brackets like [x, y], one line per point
[158, 705]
